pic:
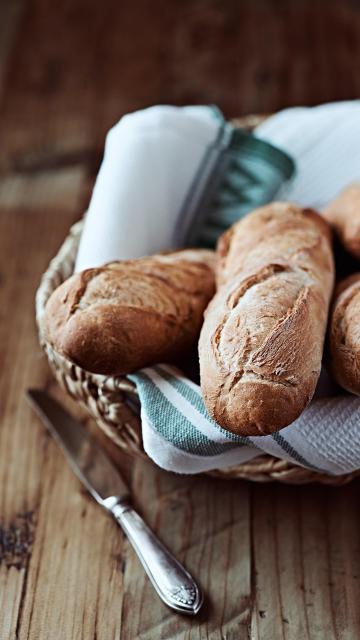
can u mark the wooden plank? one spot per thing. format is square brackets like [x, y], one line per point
[340, 572]
[44, 190]
[73, 582]
[20, 448]
[206, 523]
[89, 67]
[38, 548]
[315, 552]
[306, 562]
[10, 16]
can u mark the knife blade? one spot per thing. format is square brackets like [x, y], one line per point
[175, 586]
[86, 457]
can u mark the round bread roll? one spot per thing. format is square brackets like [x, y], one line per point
[344, 334]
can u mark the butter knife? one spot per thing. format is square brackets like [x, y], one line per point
[173, 583]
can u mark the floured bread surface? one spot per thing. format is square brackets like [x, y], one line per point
[262, 340]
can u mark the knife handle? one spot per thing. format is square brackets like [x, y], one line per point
[173, 583]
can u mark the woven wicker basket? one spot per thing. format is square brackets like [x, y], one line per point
[113, 401]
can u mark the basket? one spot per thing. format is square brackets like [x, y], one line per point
[113, 401]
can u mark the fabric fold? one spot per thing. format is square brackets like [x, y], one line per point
[179, 435]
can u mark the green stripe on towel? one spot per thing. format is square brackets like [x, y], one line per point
[286, 446]
[196, 400]
[172, 424]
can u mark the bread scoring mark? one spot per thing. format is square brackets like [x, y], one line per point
[250, 374]
[224, 242]
[235, 378]
[215, 341]
[187, 271]
[173, 273]
[269, 354]
[257, 278]
[232, 302]
[84, 278]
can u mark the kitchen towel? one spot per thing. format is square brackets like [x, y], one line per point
[174, 176]
[178, 433]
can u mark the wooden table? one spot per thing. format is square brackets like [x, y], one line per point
[274, 561]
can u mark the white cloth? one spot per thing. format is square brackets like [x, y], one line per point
[325, 143]
[151, 157]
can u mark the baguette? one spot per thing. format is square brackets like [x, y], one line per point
[130, 314]
[262, 339]
[344, 334]
[343, 214]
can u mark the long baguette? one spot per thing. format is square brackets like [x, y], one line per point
[344, 334]
[262, 339]
[343, 213]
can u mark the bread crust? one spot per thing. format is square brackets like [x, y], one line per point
[344, 334]
[130, 314]
[262, 339]
[343, 213]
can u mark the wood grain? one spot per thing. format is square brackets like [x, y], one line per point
[275, 562]
[269, 558]
[75, 70]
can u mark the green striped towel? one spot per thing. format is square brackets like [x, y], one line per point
[179, 435]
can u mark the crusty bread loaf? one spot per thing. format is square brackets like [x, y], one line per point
[343, 214]
[262, 339]
[130, 314]
[344, 334]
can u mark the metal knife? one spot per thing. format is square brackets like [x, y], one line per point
[173, 583]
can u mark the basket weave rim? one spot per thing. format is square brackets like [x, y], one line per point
[107, 398]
